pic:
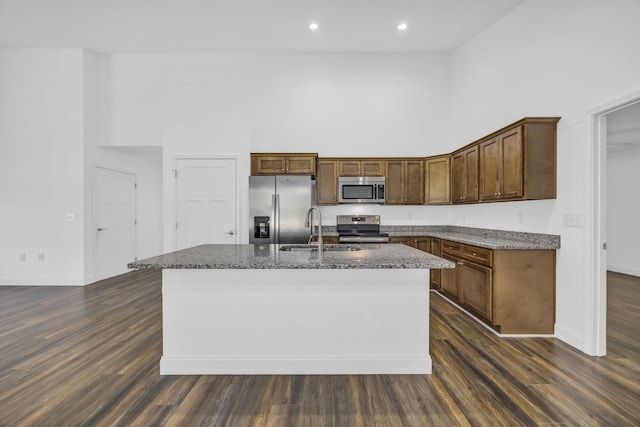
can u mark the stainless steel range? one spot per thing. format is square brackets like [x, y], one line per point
[360, 229]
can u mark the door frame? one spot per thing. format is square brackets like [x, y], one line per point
[174, 192]
[94, 216]
[596, 292]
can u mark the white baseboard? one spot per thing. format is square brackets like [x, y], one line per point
[632, 271]
[194, 365]
[487, 327]
[41, 282]
[571, 337]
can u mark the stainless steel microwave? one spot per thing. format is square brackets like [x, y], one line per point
[361, 189]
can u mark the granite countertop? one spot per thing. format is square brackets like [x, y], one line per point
[482, 237]
[270, 257]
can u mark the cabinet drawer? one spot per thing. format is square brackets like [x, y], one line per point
[453, 248]
[478, 255]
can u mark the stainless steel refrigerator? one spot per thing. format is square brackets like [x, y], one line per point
[278, 207]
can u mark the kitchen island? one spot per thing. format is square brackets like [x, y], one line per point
[258, 309]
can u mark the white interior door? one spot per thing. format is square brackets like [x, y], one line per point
[206, 202]
[115, 222]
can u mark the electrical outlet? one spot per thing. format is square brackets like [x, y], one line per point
[40, 257]
[572, 220]
[23, 257]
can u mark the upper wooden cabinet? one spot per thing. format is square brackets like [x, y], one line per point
[437, 180]
[327, 182]
[405, 182]
[519, 162]
[464, 176]
[283, 163]
[362, 167]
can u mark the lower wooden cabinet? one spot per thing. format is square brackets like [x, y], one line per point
[405, 240]
[435, 274]
[511, 290]
[422, 243]
[427, 244]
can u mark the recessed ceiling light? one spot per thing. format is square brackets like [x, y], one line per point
[314, 26]
[403, 26]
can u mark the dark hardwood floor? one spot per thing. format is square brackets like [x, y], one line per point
[89, 356]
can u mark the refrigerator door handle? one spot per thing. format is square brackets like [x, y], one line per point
[275, 213]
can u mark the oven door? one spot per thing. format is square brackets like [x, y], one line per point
[373, 238]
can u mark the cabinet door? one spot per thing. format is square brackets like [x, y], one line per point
[414, 182]
[450, 281]
[465, 175]
[372, 167]
[436, 246]
[490, 170]
[471, 159]
[395, 182]
[512, 162]
[437, 181]
[501, 166]
[327, 182]
[475, 289]
[269, 165]
[349, 168]
[422, 243]
[405, 240]
[458, 177]
[301, 165]
[435, 275]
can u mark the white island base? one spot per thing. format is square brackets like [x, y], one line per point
[295, 321]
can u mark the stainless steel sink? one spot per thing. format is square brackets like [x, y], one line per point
[309, 248]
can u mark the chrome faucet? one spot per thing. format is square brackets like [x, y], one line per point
[309, 221]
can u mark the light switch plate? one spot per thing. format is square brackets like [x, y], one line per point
[572, 220]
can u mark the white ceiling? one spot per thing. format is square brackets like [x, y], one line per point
[246, 26]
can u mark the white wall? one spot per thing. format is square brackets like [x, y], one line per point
[49, 133]
[549, 58]
[334, 104]
[41, 166]
[623, 211]
[231, 105]
[145, 163]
